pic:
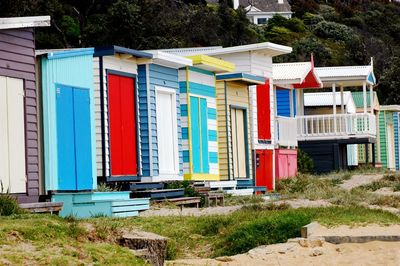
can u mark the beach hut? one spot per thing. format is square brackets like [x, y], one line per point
[199, 117]
[160, 117]
[66, 90]
[321, 103]
[389, 136]
[365, 150]
[19, 127]
[233, 116]
[289, 80]
[117, 130]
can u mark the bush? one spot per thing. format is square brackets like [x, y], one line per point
[334, 31]
[263, 231]
[304, 162]
[8, 205]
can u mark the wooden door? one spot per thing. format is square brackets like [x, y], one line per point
[199, 135]
[167, 133]
[263, 112]
[12, 135]
[123, 128]
[74, 146]
[390, 147]
[239, 143]
[264, 171]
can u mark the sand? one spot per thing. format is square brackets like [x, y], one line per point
[359, 180]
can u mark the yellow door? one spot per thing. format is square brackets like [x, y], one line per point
[238, 143]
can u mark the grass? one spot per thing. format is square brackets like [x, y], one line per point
[230, 200]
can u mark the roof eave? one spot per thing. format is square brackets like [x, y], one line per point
[24, 22]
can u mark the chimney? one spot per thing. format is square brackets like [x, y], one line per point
[235, 4]
[280, 1]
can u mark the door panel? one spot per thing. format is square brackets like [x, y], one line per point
[16, 135]
[204, 136]
[83, 141]
[122, 116]
[166, 133]
[239, 143]
[65, 139]
[263, 112]
[4, 159]
[195, 132]
[264, 169]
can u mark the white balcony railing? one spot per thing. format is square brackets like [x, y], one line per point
[286, 133]
[339, 126]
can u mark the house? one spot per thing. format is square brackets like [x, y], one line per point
[234, 134]
[365, 150]
[199, 117]
[289, 80]
[20, 166]
[389, 136]
[325, 137]
[254, 59]
[69, 137]
[321, 103]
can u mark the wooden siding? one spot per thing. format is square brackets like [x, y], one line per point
[63, 71]
[283, 103]
[383, 138]
[116, 63]
[396, 139]
[149, 77]
[17, 60]
[237, 95]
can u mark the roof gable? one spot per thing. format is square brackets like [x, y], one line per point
[272, 6]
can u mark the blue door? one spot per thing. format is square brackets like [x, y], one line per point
[73, 139]
[199, 131]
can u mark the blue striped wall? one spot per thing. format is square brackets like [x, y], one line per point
[396, 139]
[157, 76]
[283, 102]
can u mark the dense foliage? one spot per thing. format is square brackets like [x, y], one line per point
[337, 32]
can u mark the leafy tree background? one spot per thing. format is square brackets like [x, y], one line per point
[338, 32]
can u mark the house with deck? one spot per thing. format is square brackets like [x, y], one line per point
[325, 137]
[20, 164]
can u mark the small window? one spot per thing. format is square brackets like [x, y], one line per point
[262, 21]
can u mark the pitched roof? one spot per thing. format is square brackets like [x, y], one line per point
[24, 22]
[346, 75]
[266, 5]
[298, 73]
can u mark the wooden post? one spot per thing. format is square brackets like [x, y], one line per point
[371, 98]
[334, 106]
[365, 96]
[341, 99]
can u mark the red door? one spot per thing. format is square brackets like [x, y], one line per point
[122, 117]
[264, 173]
[264, 111]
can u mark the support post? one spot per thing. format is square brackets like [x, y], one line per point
[365, 97]
[373, 155]
[366, 154]
[371, 98]
[334, 106]
[341, 99]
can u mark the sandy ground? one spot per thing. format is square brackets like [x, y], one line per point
[372, 253]
[387, 191]
[359, 180]
[190, 211]
[305, 203]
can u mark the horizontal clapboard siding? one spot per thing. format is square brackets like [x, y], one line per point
[116, 63]
[17, 60]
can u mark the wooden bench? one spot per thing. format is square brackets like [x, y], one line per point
[42, 207]
[214, 197]
[181, 202]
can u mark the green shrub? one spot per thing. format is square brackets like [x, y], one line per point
[304, 162]
[263, 231]
[8, 205]
[334, 31]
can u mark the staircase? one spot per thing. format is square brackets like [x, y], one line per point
[92, 204]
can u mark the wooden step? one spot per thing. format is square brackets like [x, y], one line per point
[183, 201]
[146, 186]
[42, 207]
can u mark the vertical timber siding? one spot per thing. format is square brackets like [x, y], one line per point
[17, 60]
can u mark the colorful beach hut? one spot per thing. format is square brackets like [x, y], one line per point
[199, 117]
[233, 118]
[389, 136]
[19, 127]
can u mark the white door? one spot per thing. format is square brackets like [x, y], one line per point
[238, 143]
[167, 134]
[12, 135]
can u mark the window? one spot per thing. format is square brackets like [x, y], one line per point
[262, 21]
